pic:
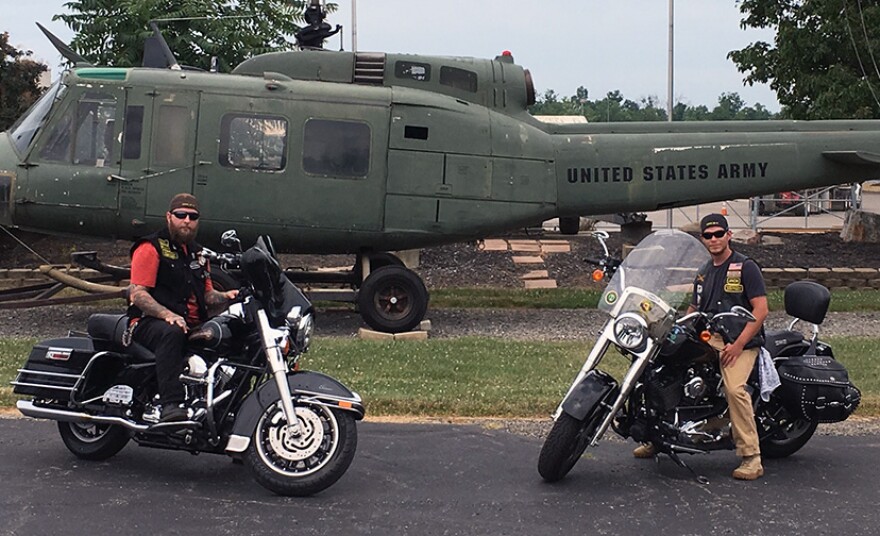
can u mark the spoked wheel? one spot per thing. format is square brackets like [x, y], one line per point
[92, 441]
[393, 299]
[566, 442]
[306, 463]
[789, 437]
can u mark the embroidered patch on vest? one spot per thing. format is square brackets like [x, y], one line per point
[167, 252]
[733, 284]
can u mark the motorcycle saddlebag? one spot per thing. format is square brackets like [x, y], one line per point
[817, 388]
[53, 368]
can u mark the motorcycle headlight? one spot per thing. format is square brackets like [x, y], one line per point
[304, 332]
[630, 330]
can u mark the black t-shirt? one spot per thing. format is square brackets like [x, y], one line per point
[710, 288]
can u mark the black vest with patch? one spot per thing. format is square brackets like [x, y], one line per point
[180, 275]
[722, 297]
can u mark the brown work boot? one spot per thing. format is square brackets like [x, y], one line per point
[645, 450]
[749, 469]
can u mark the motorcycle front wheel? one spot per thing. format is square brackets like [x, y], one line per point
[93, 441]
[304, 464]
[566, 442]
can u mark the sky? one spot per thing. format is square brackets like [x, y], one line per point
[603, 45]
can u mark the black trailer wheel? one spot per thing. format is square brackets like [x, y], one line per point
[305, 464]
[566, 442]
[393, 299]
[92, 441]
[569, 225]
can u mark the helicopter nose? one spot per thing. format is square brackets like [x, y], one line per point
[7, 164]
[5, 199]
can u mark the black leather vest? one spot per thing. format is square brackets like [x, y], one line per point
[180, 275]
[730, 293]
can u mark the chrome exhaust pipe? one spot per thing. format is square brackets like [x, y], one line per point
[26, 407]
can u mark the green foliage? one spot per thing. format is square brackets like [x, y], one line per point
[112, 32]
[19, 76]
[823, 63]
[614, 107]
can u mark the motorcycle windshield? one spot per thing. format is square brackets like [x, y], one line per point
[664, 264]
[271, 287]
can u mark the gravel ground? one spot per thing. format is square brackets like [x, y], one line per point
[518, 324]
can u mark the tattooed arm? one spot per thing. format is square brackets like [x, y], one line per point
[139, 296]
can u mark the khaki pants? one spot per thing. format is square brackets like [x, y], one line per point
[742, 416]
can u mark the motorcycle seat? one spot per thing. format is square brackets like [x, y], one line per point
[778, 340]
[111, 328]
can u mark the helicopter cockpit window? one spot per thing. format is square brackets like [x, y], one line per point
[336, 148]
[411, 70]
[458, 78]
[27, 126]
[257, 142]
[84, 134]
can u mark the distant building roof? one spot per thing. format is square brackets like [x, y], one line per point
[561, 119]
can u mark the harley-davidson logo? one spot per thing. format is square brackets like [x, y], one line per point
[58, 354]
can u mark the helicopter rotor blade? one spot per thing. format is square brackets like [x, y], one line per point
[62, 48]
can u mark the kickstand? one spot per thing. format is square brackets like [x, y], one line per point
[679, 462]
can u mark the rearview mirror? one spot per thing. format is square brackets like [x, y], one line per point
[229, 239]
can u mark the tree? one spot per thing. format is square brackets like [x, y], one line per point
[19, 76]
[823, 63]
[614, 107]
[112, 32]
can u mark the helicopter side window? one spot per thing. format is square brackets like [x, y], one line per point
[411, 70]
[257, 142]
[336, 148]
[131, 137]
[84, 134]
[172, 129]
[458, 78]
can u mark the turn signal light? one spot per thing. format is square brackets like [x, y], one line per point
[598, 275]
[344, 404]
[705, 336]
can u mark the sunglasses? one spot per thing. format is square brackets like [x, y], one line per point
[193, 216]
[716, 234]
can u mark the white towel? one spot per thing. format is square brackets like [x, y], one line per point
[768, 378]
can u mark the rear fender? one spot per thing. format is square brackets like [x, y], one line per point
[312, 386]
[594, 388]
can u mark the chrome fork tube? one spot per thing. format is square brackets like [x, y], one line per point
[278, 368]
[596, 355]
[626, 386]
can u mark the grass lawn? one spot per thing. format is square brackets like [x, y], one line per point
[579, 298]
[473, 376]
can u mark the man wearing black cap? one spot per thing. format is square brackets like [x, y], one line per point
[170, 292]
[729, 279]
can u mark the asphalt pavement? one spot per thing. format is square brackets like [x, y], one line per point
[429, 479]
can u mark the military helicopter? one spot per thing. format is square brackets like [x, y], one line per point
[370, 153]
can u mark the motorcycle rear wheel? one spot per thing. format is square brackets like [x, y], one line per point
[93, 441]
[306, 464]
[566, 442]
[790, 439]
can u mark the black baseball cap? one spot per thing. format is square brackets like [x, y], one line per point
[713, 220]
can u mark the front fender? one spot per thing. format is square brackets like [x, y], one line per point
[314, 386]
[594, 388]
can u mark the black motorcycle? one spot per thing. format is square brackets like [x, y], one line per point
[672, 394]
[246, 396]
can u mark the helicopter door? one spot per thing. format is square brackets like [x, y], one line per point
[68, 170]
[165, 165]
[288, 163]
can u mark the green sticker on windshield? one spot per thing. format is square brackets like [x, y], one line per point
[610, 297]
